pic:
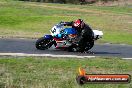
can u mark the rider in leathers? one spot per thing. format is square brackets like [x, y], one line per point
[84, 33]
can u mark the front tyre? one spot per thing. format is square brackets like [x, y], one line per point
[43, 44]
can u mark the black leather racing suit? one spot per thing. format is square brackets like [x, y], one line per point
[84, 35]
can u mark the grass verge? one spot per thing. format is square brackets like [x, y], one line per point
[33, 20]
[46, 72]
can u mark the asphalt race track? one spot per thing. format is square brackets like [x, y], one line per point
[22, 47]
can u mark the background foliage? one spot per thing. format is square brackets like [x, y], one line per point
[68, 1]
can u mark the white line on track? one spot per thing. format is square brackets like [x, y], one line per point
[46, 55]
[127, 58]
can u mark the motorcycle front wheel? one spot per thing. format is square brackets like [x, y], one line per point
[43, 44]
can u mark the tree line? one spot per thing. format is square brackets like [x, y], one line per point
[68, 1]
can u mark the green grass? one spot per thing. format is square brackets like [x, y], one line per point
[45, 72]
[113, 9]
[33, 20]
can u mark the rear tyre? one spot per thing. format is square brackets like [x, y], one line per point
[43, 44]
[86, 46]
[89, 45]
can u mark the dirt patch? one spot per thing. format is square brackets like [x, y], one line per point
[114, 3]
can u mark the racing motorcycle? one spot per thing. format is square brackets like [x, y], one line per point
[64, 38]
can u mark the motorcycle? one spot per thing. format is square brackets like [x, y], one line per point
[64, 38]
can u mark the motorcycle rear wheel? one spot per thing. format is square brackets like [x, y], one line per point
[89, 45]
[75, 48]
[43, 44]
[86, 47]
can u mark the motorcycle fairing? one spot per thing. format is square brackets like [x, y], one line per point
[48, 37]
[70, 31]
